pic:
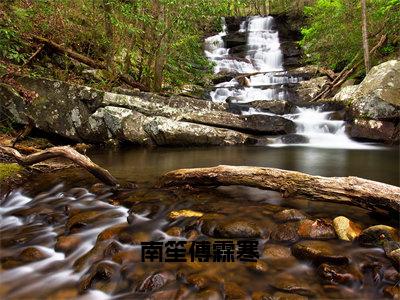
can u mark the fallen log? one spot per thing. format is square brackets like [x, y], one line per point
[364, 193]
[88, 61]
[65, 152]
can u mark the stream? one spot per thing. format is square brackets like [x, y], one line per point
[64, 236]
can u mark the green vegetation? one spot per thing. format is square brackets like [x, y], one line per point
[158, 43]
[8, 170]
[333, 35]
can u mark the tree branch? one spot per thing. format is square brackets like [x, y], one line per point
[65, 152]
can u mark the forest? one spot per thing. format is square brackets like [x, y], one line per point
[202, 149]
[161, 48]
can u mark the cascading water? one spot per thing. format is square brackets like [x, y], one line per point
[260, 75]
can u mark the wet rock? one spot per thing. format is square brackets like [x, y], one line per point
[332, 274]
[308, 89]
[199, 281]
[63, 294]
[164, 131]
[208, 294]
[318, 229]
[318, 252]
[102, 272]
[286, 296]
[294, 139]
[372, 130]
[185, 213]
[234, 291]
[394, 255]
[80, 220]
[273, 251]
[192, 235]
[174, 231]
[259, 266]
[287, 232]
[235, 39]
[31, 254]
[135, 238]
[237, 229]
[377, 97]
[279, 107]
[128, 256]
[392, 275]
[288, 215]
[392, 292]
[376, 235]
[112, 249]
[67, 243]
[112, 232]
[155, 282]
[345, 229]
[288, 283]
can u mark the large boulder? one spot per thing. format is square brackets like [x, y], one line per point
[164, 131]
[374, 111]
[306, 90]
[373, 130]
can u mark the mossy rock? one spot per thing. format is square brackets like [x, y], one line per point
[8, 170]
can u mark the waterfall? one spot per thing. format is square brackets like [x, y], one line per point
[264, 78]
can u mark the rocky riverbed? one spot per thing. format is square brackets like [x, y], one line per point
[72, 241]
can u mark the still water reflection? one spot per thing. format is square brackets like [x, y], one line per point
[146, 164]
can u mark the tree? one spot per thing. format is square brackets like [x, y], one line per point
[365, 35]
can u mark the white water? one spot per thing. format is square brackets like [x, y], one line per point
[29, 278]
[265, 58]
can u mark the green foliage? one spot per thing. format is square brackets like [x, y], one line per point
[11, 45]
[8, 170]
[333, 35]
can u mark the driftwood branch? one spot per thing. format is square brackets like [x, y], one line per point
[346, 72]
[65, 152]
[88, 61]
[364, 193]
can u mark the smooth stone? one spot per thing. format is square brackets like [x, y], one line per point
[376, 235]
[337, 274]
[286, 296]
[31, 254]
[288, 215]
[318, 252]
[237, 229]
[112, 232]
[199, 281]
[346, 229]
[289, 283]
[287, 232]
[318, 229]
[273, 251]
[102, 271]
[294, 138]
[67, 243]
[234, 291]
[392, 292]
[155, 282]
[185, 213]
[259, 266]
[174, 231]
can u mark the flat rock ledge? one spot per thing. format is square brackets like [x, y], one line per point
[84, 114]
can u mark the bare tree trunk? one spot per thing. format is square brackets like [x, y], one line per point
[365, 35]
[65, 152]
[364, 193]
[109, 31]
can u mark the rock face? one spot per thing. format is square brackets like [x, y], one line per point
[84, 114]
[375, 104]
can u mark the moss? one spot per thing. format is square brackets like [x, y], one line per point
[8, 170]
